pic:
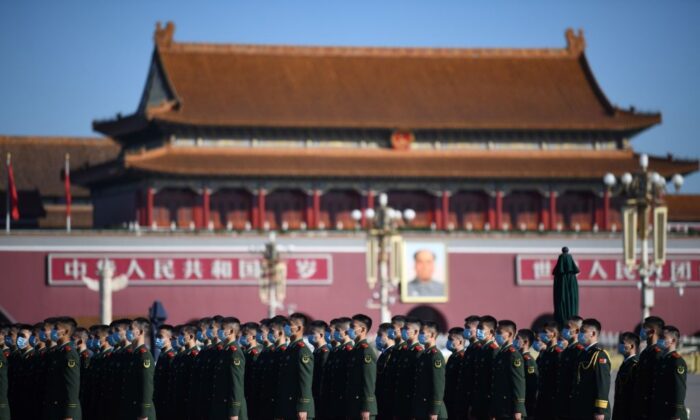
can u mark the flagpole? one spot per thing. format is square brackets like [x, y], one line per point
[7, 195]
[68, 195]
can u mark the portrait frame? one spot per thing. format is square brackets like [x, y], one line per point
[408, 271]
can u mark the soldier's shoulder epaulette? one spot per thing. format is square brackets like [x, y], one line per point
[364, 345]
[433, 350]
[558, 349]
[301, 345]
[143, 350]
[170, 354]
[67, 349]
[657, 349]
[526, 356]
[418, 348]
[348, 347]
[254, 352]
[84, 354]
[676, 355]
[219, 347]
[493, 346]
[232, 347]
[6, 353]
[194, 352]
[404, 347]
[324, 349]
[283, 347]
[511, 349]
[461, 354]
[129, 350]
[579, 346]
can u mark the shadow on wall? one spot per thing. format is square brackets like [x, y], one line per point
[428, 313]
[538, 323]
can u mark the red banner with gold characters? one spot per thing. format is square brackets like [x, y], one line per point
[186, 269]
[606, 270]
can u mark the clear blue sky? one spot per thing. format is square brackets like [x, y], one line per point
[65, 63]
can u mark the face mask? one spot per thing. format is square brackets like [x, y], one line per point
[244, 341]
[32, 341]
[582, 337]
[391, 334]
[116, 338]
[404, 334]
[8, 341]
[351, 333]
[621, 349]
[21, 342]
[421, 338]
[54, 335]
[480, 334]
[643, 334]
[259, 337]
[181, 340]
[661, 343]
[200, 337]
[327, 336]
[271, 337]
[175, 343]
[560, 344]
[450, 346]
[129, 336]
[537, 346]
[287, 331]
[378, 343]
[467, 334]
[544, 337]
[210, 333]
[566, 333]
[337, 337]
[222, 336]
[311, 338]
[500, 340]
[42, 335]
[517, 344]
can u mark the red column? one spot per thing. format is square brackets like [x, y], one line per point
[552, 210]
[317, 208]
[150, 193]
[370, 205]
[255, 212]
[446, 209]
[261, 208]
[206, 193]
[310, 210]
[606, 209]
[437, 211]
[544, 213]
[499, 209]
[491, 212]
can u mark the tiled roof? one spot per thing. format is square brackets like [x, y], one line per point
[683, 208]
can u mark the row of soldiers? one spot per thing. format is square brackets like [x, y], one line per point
[220, 368]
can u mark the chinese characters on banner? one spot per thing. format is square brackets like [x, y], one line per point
[186, 269]
[598, 270]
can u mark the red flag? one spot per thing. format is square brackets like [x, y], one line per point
[66, 181]
[12, 191]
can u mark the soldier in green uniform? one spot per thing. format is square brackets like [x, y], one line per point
[294, 399]
[568, 362]
[427, 398]
[80, 338]
[24, 389]
[483, 375]
[228, 376]
[61, 400]
[626, 375]
[252, 349]
[670, 379]
[4, 380]
[317, 338]
[508, 386]
[162, 385]
[339, 373]
[258, 372]
[182, 367]
[360, 398]
[139, 386]
[279, 326]
[649, 358]
[385, 345]
[522, 343]
[454, 394]
[592, 386]
[324, 405]
[548, 365]
[38, 366]
[468, 369]
[406, 369]
[99, 373]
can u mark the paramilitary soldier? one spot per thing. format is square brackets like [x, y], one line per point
[481, 396]
[385, 346]
[228, 400]
[406, 369]
[139, 384]
[427, 399]
[651, 332]
[626, 375]
[454, 392]
[592, 386]
[61, 400]
[468, 374]
[670, 380]
[294, 399]
[508, 386]
[525, 339]
[360, 399]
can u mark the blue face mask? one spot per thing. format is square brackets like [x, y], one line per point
[181, 340]
[561, 344]
[32, 341]
[271, 337]
[244, 341]
[159, 343]
[129, 336]
[210, 333]
[327, 336]
[421, 338]
[351, 333]
[517, 344]
[467, 334]
[222, 336]
[21, 342]
[54, 335]
[544, 337]
[404, 334]
[379, 343]
[621, 349]
[259, 337]
[391, 334]
[337, 336]
[116, 338]
[42, 335]
[200, 337]
[450, 346]
[566, 333]
[8, 341]
[175, 343]
[582, 337]
[480, 334]
[643, 334]
[500, 340]
[287, 331]
[537, 346]
[311, 338]
[661, 343]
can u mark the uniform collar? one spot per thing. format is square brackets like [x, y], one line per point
[364, 340]
[591, 345]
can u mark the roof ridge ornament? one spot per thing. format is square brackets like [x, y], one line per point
[163, 36]
[575, 42]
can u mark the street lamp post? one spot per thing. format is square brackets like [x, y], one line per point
[644, 191]
[383, 229]
[273, 278]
